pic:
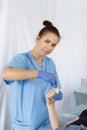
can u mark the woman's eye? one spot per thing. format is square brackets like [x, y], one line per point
[46, 41]
[53, 45]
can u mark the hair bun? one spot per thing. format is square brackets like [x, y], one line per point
[47, 23]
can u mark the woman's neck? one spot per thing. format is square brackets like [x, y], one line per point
[37, 57]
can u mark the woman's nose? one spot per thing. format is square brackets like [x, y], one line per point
[49, 47]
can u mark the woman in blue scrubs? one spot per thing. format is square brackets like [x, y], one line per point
[31, 75]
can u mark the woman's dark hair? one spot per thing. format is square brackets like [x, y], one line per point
[49, 28]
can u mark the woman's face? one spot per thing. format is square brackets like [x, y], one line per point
[47, 43]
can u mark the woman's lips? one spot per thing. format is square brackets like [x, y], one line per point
[47, 52]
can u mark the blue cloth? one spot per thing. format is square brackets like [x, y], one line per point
[27, 102]
[72, 127]
[58, 96]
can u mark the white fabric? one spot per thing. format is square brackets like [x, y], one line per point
[20, 21]
[5, 120]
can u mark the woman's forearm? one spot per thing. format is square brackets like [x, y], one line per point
[10, 73]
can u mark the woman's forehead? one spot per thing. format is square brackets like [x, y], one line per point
[51, 37]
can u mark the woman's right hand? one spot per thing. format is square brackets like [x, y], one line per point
[48, 77]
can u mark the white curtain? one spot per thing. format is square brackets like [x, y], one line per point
[20, 21]
[5, 120]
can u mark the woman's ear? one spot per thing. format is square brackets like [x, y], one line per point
[37, 38]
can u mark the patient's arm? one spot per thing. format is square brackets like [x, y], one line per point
[55, 123]
[69, 122]
[54, 119]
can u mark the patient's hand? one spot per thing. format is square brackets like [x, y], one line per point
[49, 96]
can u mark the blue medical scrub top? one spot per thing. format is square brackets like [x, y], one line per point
[27, 102]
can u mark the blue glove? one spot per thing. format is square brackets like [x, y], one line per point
[58, 96]
[48, 77]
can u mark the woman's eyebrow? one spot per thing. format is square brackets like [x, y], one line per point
[49, 41]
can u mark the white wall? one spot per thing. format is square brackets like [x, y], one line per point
[20, 21]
